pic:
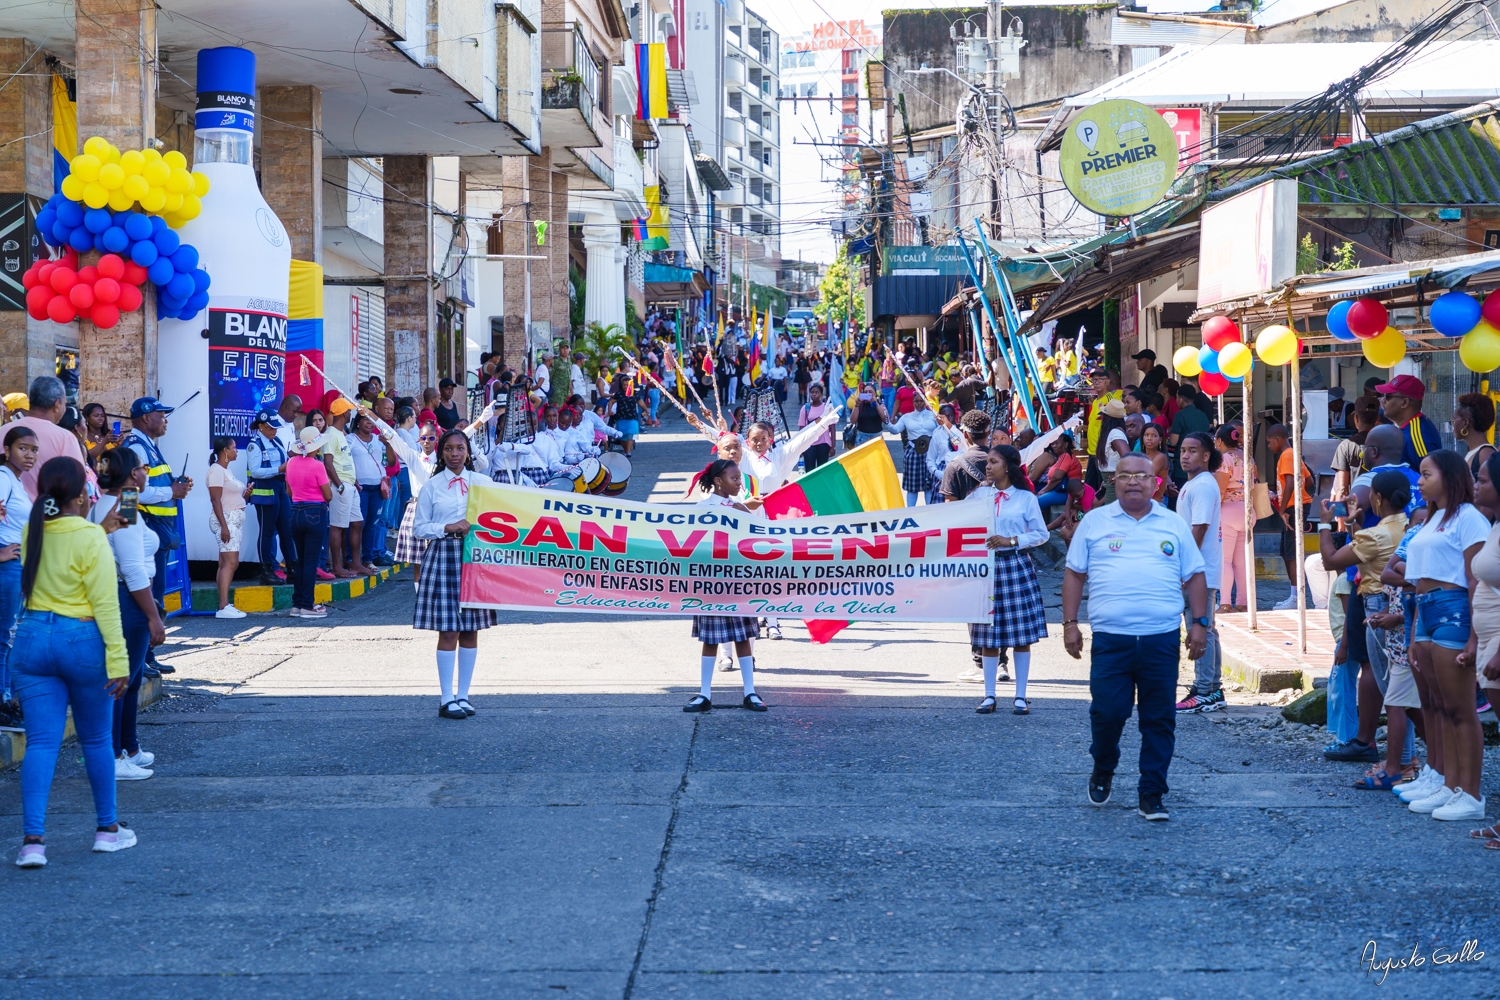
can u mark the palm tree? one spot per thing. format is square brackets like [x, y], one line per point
[601, 346]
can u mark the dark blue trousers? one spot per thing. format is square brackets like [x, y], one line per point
[275, 522]
[1126, 669]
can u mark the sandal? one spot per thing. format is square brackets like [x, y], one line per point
[986, 707]
[1492, 845]
[1378, 782]
[1488, 833]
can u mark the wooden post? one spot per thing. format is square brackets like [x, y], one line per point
[1296, 422]
[1247, 398]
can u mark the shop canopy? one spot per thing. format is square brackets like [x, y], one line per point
[665, 283]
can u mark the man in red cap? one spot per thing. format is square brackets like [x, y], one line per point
[1401, 402]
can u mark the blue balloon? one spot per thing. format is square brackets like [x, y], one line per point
[158, 224]
[1454, 314]
[114, 240]
[81, 240]
[61, 234]
[161, 272]
[1338, 321]
[144, 253]
[70, 213]
[186, 258]
[46, 219]
[97, 220]
[198, 301]
[181, 287]
[200, 281]
[1208, 359]
[139, 226]
[167, 242]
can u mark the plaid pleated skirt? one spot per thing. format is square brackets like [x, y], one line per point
[437, 594]
[715, 629]
[915, 476]
[1018, 617]
[408, 546]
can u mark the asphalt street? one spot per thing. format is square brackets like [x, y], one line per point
[315, 830]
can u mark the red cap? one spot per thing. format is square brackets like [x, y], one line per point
[1404, 385]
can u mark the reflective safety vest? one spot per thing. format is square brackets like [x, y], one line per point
[263, 490]
[158, 472]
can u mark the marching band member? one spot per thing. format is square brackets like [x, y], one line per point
[442, 522]
[1018, 617]
[721, 480]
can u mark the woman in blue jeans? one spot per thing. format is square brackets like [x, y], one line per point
[134, 547]
[15, 508]
[68, 649]
[307, 482]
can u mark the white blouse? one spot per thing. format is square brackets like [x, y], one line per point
[770, 471]
[445, 499]
[1015, 513]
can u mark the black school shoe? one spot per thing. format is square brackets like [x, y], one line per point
[1151, 808]
[753, 703]
[452, 710]
[1100, 785]
[698, 704]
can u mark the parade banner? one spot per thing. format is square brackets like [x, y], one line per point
[544, 550]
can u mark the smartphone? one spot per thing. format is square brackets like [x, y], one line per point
[129, 505]
[1338, 508]
[117, 428]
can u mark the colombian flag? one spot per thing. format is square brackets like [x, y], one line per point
[64, 131]
[861, 479]
[651, 78]
[304, 333]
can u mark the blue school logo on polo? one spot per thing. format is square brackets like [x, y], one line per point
[1167, 548]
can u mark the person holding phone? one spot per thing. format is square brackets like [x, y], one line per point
[21, 448]
[121, 477]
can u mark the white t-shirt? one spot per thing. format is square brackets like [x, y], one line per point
[233, 497]
[1198, 503]
[1112, 457]
[1437, 551]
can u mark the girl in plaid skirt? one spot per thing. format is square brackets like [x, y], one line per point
[721, 480]
[442, 522]
[1018, 618]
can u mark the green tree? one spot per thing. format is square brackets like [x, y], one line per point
[1309, 261]
[833, 293]
[601, 346]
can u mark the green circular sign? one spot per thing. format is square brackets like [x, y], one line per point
[1118, 157]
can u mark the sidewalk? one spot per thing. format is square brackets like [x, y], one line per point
[1268, 659]
[255, 597]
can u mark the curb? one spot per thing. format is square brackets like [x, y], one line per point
[13, 745]
[259, 598]
[1260, 679]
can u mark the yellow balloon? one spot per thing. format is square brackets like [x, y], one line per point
[132, 162]
[1235, 359]
[111, 176]
[1185, 361]
[150, 155]
[95, 195]
[85, 167]
[119, 201]
[155, 200]
[156, 172]
[200, 184]
[173, 202]
[72, 187]
[113, 153]
[174, 221]
[97, 146]
[136, 186]
[1479, 349]
[191, 206]
[180, 182]
[1385, 348]
[1276, 345]
[174, 159]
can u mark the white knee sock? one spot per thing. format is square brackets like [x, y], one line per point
[747, 670]
[1023, 668]
[445, 658]
[706, 689]
[466, 658]
[991, 668]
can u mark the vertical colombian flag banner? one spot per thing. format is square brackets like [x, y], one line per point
[64, 131]
[651, 75]
[304, 333]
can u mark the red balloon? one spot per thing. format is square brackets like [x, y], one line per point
[1491, 309]
[60, 310]
[1367, 319]
[111, 266]
[106, 290]
[62, 279]
[44, 271]
[70, 257]
[1213, 384]
[105, 315]
[82, 296]
[1219, 331]
[28, 280]
[37, 299]
[134, 274]
[129, 300]
[88, 275]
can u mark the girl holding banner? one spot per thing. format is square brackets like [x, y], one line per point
[442, 509]
[721, 480]
[1018, 618]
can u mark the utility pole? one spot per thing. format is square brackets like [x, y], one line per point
[992, 105]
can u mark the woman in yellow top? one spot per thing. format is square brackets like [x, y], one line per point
[69, 649]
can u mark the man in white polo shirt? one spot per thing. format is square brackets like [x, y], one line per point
[1138, 559]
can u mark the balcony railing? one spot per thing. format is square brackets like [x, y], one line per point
[570, 74]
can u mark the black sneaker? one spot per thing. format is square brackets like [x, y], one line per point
[1100, 785]
[1151, 807]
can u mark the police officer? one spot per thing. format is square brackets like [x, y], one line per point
[265, 464]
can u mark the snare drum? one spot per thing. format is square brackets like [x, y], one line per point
[562, 484]
[592, 474]
[619, 469]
